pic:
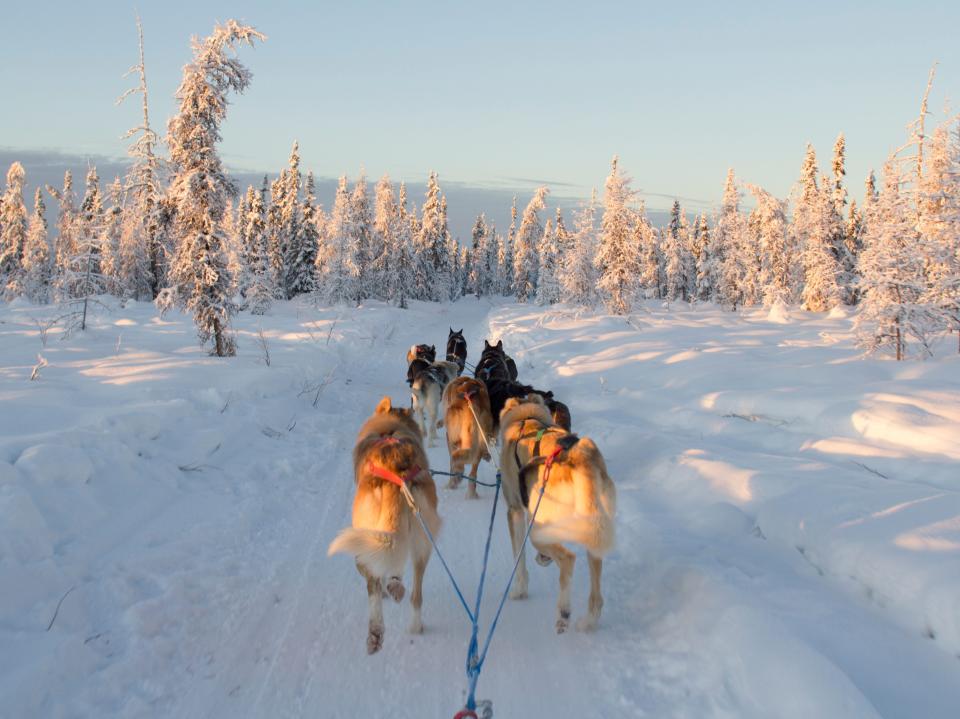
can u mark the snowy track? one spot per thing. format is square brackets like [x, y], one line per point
[789, 523]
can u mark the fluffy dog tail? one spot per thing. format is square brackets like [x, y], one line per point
[373, 549]
[591, 523]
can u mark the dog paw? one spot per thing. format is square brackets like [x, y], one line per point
[518, 593]
[416, 626]
[543, 560]
[586, 623]
[562, 625]
[453, 483]
[472, 492]
[375, 640]
[395, 588]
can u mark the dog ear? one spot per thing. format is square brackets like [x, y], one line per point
[460, 331]
[385, 405]
[451, 330]
[499, 344]
[486, 344]
[433, 348]
[510, 404]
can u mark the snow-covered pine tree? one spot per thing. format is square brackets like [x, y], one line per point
[13, 232]
[578, 277]
[200, 188]
[478, 279]
[307, 242]
[402, 251]
[37, 264]
[941, 226]
[256, 284]
[706, 264]
[446, 270]
[430, 246]
[838, 225]
[65, 238]
[548, 283]
[337, 280]
[892, 314]
[386, 220]
[618, 256]
[647, 241]
[144, 242]
[529, 236]
[112, 232]
[361, 224]
[276, 239]
[731, 243]
[299, 247]
[814, 231]
[676, 262]
[505, 247]
[768, 223]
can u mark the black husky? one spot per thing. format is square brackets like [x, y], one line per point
[426, 353]
[499, 373]
[457, 349]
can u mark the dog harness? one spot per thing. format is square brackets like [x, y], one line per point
[563, 443]
[383, 473]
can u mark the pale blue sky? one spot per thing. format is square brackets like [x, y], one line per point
[503, 94]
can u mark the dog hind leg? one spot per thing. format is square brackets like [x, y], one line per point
[375, 599]
[472, 486]
[421, 555]
[517, 527]
[565, 560]
[588, 622]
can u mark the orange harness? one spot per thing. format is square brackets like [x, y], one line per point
[383, 473]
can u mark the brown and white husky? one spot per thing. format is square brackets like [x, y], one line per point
[578, 506]
[466, 439]
[388, 452]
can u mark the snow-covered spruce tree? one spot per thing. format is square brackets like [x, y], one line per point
[430, 248]
[814, 234]
[401, 251]
[83, 277]
[647, 241]
[256, 284]
[306, 241]
[299, 246]
[478, 280]
[893, 316]
[732, 246]
[361, 223]
[64, 241]
[37, 264]
[768, 225]
[200, 188]
[338, 264]
[578, 276]
[704, 264]
[13, 232]
[448, 258]
[505, 254]
[548, 284]
[940, 195]
[529, 236]
[276, 240]
[144, 248]
[386, 216]
[618, 256]
[838, 224]
[676, 262]
[112, 232]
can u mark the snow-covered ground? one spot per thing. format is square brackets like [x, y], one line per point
[789, 521]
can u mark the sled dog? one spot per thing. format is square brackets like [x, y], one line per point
[578, 506]
[466, 439]
[426, 393]
[457, 349]
[388, 450]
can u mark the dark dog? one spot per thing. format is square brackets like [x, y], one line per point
[457, 349]
[494, 362]
[499, 373]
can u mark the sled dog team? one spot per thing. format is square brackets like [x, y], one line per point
[532, 433]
